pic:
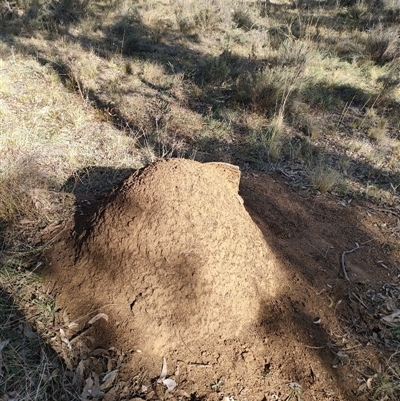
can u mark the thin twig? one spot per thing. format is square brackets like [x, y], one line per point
[343, 264]
[359, 300]
[200, 365]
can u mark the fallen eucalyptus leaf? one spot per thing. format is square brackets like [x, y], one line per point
[28, 332]
[108, 379]
[65, 317]
[110, 375]
[111, 395]
[164, 371]
[96, 392]
[72, 325]
[169, 383]
[64, 339]
[369, 383]
[78, 375]
[362, 387]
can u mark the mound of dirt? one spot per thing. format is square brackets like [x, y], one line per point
[177, 250]
[176, 263]
[181, 271]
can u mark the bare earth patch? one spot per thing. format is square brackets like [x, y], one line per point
[172, 266]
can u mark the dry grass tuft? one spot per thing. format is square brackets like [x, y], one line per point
[263, 91]
[378, 127]
[244, 19]
[324, 178]
[382, 45]
[30, 203]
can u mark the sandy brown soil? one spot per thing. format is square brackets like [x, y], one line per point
[242, 299]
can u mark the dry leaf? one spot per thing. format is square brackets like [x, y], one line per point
[78, 375]
[390, 304]
[362, 387]
[392, 319]
[96, 392]
[182, 393]
[3, 344]
[169, 383]
[164, 371]
[64, 339]
[65, 318]
[97, 317]
[108, 379]
[67, 360]
[111, 395]
[369, 383]
[87, 390]
[92, 388]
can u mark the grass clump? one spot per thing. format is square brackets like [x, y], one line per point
[219, 69]
[266, 144]
[378, 127]
[386, 387]
[243, 19]
[324, 178]
[29, 202]
[382, 44]
[264, 92]
[358, 9]
[186, 24]
[67, 11]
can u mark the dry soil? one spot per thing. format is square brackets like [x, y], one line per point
[243, 295]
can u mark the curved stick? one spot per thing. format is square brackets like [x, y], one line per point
[343, 264]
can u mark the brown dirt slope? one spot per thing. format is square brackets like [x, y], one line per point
[182, 271]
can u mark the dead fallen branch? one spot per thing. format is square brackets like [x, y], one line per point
[343, 263]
